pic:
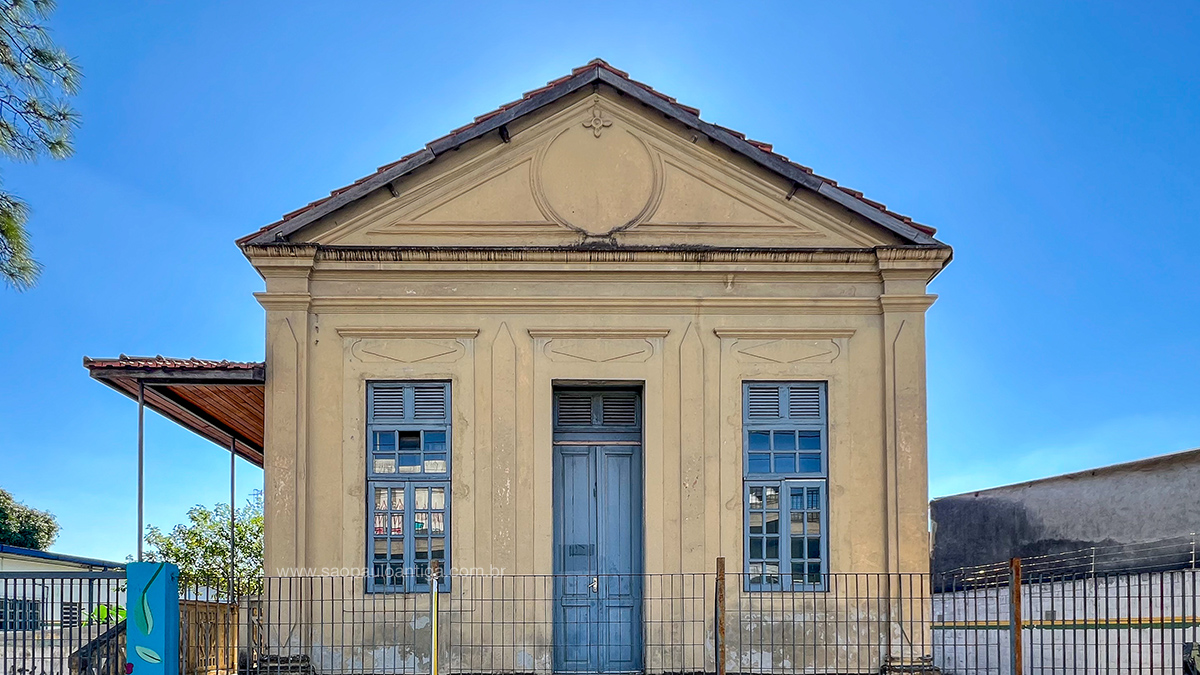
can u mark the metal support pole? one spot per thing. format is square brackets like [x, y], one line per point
[1015, 625]
[232, 513]
[720, 617]
[141, 466]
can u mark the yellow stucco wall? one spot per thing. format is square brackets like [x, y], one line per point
[813, 293]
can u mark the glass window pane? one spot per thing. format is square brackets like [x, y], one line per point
[438, 548]
[397, 499]
[797, 549]
[422, 549]
[810, 464]
[797, 573]
[814, 547]
[380, 523]
[756, 523]
[385, 441]
[384, 465]
[810, 440]
[435, 441]
[435, 463]
[814, 573]
[756, 497]
[771, 573]
[438, 500]
[814, 523]
[421, 498]
[772, 548]
[759, 463]
[756, 547]
[814, 499]
[756, 573]
[772, 522]
[397, 523]
[785, 440]
[797, 522]
[437, 523]
[410, 463]
[381, 499]
[772, 493]
[381, 549]
[420, 524]
[785, 463]
[760, 440]
[410, 441]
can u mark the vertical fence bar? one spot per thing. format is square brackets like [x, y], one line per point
[433, 617]
[1014, 615]
[719, 629]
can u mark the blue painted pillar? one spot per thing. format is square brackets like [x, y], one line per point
[152, 619]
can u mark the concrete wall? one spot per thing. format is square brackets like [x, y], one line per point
[1138, 502]
[347, 303]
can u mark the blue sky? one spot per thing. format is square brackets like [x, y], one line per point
[1054, 146]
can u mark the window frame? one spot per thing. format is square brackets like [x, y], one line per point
[785, 481]
[409, 579]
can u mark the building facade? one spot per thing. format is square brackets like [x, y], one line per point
[589, 285]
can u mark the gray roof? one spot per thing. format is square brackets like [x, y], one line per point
[595, 73]
[19, 551]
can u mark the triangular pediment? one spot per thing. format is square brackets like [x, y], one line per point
[596, 167]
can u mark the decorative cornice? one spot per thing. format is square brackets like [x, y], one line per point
[386, 332]
[906, 303]
[629, 305]
[936, 254]
[283, 302]
[609, 333]
[594, 253]
[784, 333]
[257, 253]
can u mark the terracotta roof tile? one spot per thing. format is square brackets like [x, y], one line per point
[160, 361]
[595, 63]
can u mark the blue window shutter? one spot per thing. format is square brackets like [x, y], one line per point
[762, 402]
[806, 402]
[387, 402]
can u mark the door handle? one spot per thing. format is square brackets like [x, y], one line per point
[595, 585]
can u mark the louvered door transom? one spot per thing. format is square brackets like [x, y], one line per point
[597, 530]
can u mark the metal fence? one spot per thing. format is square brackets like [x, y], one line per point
[1068, 623]
[660, 623]
[692, 623]
[54, 623]
[962, 623]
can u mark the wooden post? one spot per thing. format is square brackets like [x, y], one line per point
[1015, 624]
[720, 618]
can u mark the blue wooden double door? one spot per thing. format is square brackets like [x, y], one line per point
[597, 530]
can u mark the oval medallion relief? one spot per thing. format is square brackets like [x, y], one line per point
[596, 177]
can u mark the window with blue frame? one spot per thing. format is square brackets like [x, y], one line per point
[408, 479]
[785, 465]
